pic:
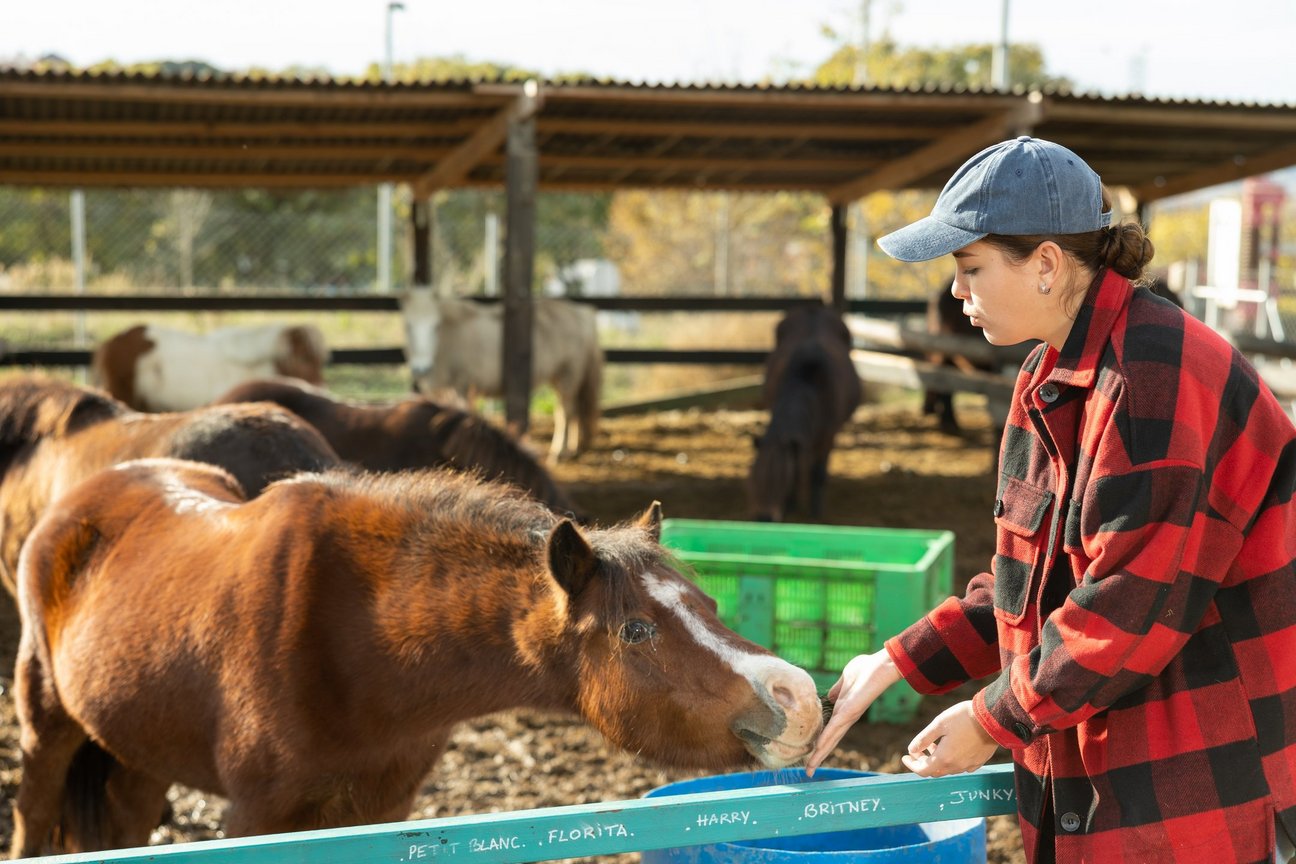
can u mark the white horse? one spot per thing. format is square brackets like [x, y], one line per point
[155, 368]
[456, 344]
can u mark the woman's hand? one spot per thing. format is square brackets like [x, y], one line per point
[862, 681]
[953, 743]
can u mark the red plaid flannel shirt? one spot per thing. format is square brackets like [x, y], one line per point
[1141, 615]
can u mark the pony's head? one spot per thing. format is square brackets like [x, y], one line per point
[657, 672]
[37, 407]
[421, 313]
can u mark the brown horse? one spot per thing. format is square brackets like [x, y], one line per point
[412, 433]
[308, 653]
[811, 389]
[54, 434]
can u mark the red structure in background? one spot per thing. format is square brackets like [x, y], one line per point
[1262, 201]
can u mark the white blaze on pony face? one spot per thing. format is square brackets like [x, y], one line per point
[785, 688]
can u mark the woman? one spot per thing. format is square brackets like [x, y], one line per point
[1140, 618]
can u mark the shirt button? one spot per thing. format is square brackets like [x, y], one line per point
[1022, 732]
[1070, 822]
[1048, 393]
[998, 507]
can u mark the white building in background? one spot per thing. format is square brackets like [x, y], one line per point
[593, 277]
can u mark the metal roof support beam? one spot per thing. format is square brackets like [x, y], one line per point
[460, 161]
[1236, 168]
[311, 130]
[281, 94]
[421, 228]
[839, 235]
[523, 177]
[948, 151]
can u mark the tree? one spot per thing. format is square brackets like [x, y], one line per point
[891, 65]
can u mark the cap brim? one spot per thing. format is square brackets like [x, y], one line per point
[926, 239]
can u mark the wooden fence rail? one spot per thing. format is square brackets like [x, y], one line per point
[391, 303]
[16, 355]
[613, 827]
[881, 336]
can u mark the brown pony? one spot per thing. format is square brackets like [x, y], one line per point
[54, 434]
[308, 653]
[811, 389]
[412, 433]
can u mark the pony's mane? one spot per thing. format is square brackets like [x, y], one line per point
[439, 500]
[36, 406]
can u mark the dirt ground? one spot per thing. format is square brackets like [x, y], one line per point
[892, 468]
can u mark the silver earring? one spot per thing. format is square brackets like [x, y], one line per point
[1045, 288]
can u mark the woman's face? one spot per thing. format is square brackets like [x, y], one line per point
[1003, 298]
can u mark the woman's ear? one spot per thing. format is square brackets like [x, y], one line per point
[1050, 261]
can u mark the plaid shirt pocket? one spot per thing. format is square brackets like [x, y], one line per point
[1019, 509]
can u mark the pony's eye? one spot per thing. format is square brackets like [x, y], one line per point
[635, 631]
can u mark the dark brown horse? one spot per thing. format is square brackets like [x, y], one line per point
[945, 316]
[811, 389]
[413, 433]
[308, 653]
[54, 434]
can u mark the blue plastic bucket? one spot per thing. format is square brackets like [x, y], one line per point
[957, 841]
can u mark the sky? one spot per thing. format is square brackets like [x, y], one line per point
[1182, 49]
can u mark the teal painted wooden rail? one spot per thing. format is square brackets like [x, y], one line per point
[611, 827]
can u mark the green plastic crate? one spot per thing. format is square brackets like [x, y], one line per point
[817, 595]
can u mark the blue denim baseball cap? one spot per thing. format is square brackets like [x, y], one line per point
[1023, 186]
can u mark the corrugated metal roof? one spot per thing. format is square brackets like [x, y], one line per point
[123, 129]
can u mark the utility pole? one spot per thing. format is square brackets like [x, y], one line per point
[860, 76]
[999, 58]
[854, 218]
[385, 189]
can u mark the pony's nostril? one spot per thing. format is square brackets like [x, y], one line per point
[784, 697]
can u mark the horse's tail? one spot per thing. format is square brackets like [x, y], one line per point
[588, 396]
[84, 818]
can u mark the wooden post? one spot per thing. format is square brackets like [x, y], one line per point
[420, 235]
[839, 257]
[522, 165]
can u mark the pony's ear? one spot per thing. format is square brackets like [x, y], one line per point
[571, 560]
[650, 521]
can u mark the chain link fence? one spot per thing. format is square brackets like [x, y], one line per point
[324, 243]
[313, 243]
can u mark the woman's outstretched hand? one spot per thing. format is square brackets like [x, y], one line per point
[861, 682]
[953, 743]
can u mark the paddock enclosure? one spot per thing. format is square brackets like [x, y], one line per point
[890, 464]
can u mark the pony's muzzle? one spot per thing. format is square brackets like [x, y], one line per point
[782, 728]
